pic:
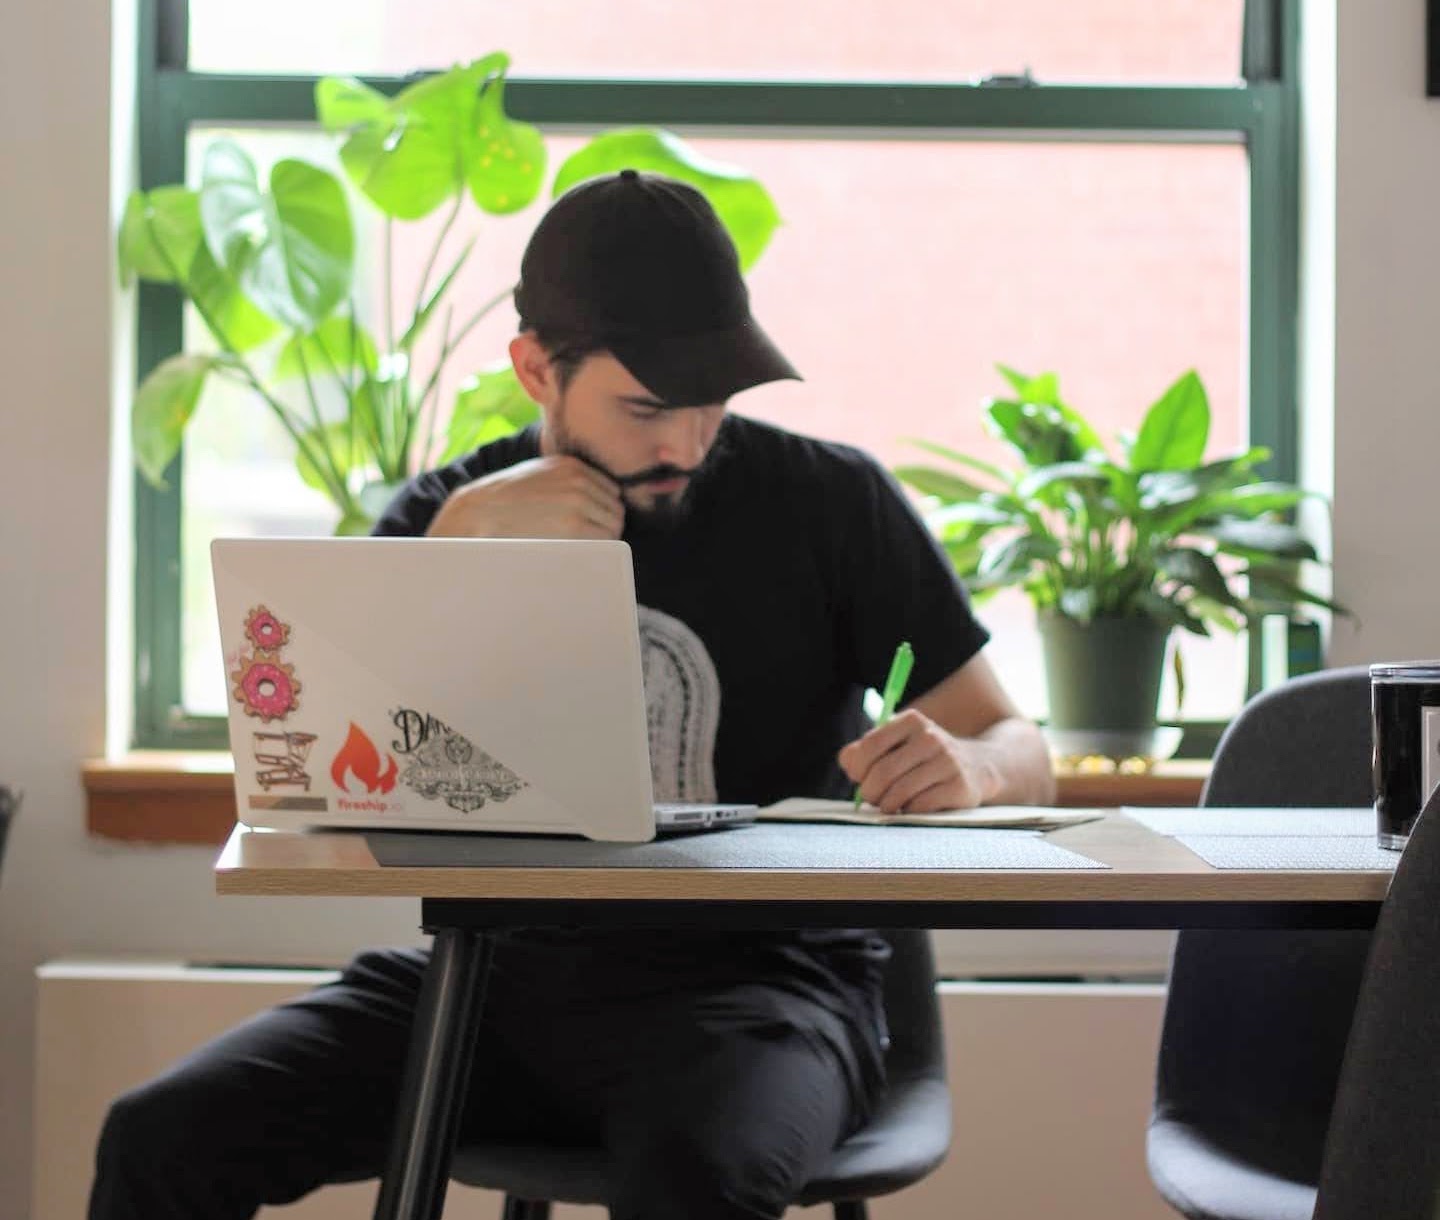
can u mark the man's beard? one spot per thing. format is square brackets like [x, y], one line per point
[665, 512]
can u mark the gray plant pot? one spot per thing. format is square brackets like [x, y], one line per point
[1104, 674]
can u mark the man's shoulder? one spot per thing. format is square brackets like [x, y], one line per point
[498, 454]
[504, 451]
[770, 446]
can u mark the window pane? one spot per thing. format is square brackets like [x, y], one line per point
[1058, 40]
[904, 272]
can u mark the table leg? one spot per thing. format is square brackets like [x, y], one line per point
[437, 1074]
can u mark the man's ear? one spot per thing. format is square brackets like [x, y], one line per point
[532, 366]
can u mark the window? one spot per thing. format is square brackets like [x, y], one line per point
[1129, 214]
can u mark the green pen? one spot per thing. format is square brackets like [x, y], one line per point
[894, 687]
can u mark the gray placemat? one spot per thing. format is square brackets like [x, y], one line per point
[1344, 852]
[756, 847]
[1331, 822]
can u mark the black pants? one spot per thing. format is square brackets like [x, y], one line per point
[715, 1097]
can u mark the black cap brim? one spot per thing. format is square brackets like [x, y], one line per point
[708, 367]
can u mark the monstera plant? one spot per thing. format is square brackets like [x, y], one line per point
[1116, 544]
[270, 268]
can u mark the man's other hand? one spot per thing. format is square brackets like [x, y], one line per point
[546, 497]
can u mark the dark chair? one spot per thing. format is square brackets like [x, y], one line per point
[904, 1141]
[1256, 1021]
[1382, 1154]
[9, 804]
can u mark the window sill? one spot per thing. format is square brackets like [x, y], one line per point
[188, 797]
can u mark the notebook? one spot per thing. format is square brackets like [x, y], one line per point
[475, 685]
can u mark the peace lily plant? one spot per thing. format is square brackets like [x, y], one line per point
[271, 268]
[1116, 544]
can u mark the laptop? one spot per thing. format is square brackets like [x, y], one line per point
[471, 685]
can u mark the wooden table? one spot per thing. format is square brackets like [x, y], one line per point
[1151, 882]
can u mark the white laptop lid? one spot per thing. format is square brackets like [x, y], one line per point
[425, 683]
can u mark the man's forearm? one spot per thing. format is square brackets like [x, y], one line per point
[1019, 763]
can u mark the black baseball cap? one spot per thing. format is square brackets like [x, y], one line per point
[641, 266]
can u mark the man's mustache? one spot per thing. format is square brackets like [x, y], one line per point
[655, 474]
[651, 474]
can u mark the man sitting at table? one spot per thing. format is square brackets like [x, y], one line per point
[776, 575]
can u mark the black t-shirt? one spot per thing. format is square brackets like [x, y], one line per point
[765, 613]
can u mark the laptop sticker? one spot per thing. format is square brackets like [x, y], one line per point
[358, 768]
[442, 765]
[264, 685]
[280, 760]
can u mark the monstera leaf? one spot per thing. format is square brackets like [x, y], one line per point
[291, 249]
[411, 153]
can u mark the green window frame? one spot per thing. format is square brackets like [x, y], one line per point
[1260, 111]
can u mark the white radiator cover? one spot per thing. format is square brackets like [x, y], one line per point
[1051, 1086]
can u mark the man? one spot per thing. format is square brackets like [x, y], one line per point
[776, 575]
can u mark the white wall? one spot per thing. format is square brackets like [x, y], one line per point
[62, 894]
[1387, 267]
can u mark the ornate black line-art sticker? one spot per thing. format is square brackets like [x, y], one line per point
[441, 765]
[264, 685]
[281, 758]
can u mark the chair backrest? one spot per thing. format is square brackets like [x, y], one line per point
[1306, 742]
[1256, 1021]
[1382, 1154]
[912, 1010]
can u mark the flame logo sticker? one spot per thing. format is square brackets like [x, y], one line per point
[359, 760]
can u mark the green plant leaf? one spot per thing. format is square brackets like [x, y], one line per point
[437, 294]
[490, 404]
[353, 524]
[383, 414]
[1175, 429]
[218, 297]
[1187, 566]
[342, 102]
[504, 160]
[1217, 615]
[292, 249]
[1044, 391]
[938, 483]
[1273, 538]
[159, 235]
[1282, 594]
[1007, 561]
[346, 451]
[739, 199]
[963, 459]
[410, 158]
[164, 405]
[1240, 503]
[414, 155]
[1040, 433]
[1080, 476]
[1171, 488]
[337, 344]
[973, 513]
[1165, 608]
